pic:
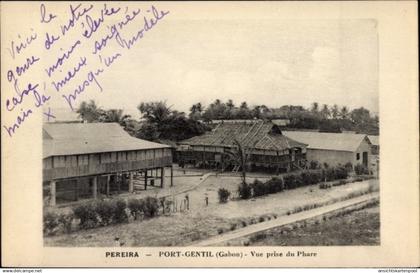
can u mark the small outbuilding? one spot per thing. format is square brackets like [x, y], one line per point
[334, 148]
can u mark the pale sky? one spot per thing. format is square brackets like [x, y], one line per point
[261, 62]
[271, 62]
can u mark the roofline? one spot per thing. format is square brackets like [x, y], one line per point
[102, 152]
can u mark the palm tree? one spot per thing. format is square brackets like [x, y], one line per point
[325, 112]
[239, 157]
[89, 112]
[335, 111]
[315, 108]
[114, 115]
[344, 112]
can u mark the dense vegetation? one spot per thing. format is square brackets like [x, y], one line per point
[161, 123]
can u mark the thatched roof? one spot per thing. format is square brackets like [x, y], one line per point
[87, 138]
[257, 135]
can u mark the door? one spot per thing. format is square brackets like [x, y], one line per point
[365, 159]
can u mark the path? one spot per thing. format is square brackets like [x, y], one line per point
[285, 220]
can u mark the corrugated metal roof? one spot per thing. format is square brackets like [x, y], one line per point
[374, 140]
[256, 134]
[327, 141]
[87, 138]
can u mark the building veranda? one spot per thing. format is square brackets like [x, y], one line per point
[266, 148]
[92, 160]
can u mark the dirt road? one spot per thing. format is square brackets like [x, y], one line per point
[285, 220]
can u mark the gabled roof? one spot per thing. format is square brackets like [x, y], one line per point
[374, 140]
[257, 134]
[87, 138]
[328, 141]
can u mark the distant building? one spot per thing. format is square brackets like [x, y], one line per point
[265, 145]
[375, 153]
[334, 148]
[375, 144]
[281, 122]
[87, 160]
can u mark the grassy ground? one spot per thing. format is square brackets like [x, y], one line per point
[203, 221]
[358, 228]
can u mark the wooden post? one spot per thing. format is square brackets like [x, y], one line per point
[52, 193]
[162, 176]
[95, 187]
[172, 176]
[131, 183]
[145, 180]
[77, 189]
[108, 178]
[120, 178]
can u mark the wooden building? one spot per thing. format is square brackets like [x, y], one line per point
[88, 160]
[334, 148]
[263, 142]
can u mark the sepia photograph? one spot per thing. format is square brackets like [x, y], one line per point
[167, 126]
[264, 133]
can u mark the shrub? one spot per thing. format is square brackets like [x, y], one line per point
[289, 181]
[223, 195]
[51, 223]
[275, 184]
[136, 207]
[66, 221]
[151, 206]
[220, 230]
[87, 215]
[314, 165]
[324, 186]
[306, 178]
[120, 215]
[232, 226]
[258, 187]
[105, 211]
[341, 172]
[244, 190]
[261, 219]
[361, 169]
[348, 166]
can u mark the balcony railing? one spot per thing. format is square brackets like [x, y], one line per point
[105, 168]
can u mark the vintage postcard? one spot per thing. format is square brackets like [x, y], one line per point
[211, 134]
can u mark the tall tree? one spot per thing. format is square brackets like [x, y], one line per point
[334, 111]
[195, 111]
[89, 111]
[344, 112]
[325, 112]
[155, 112]
[315, 108]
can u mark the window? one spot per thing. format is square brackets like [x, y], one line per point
[131, 156]
[121, 156]
[105, 158]
[158, 153]
[83, 160]
[113, 157]
[141, 155]
[357, 156]
[59, 161]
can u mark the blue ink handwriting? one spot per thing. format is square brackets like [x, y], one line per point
[44, 17]
[70, 75]
[22, 44]
[60, 60]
